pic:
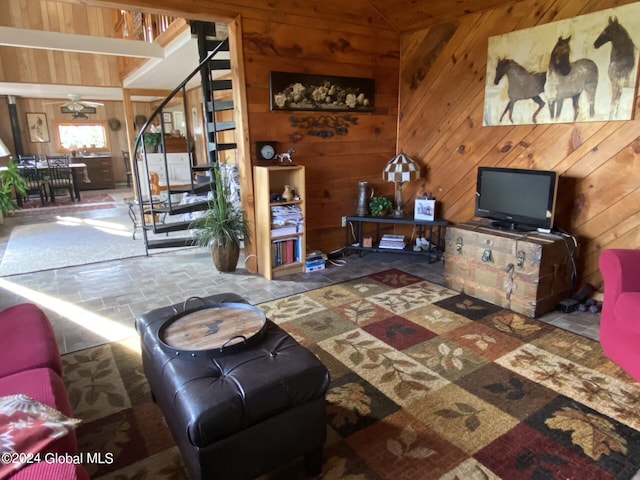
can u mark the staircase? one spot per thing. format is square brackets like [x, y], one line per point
[164, 215]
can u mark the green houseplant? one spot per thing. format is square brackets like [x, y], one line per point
[11, 182]
[378, 206]
[221, 227]
[151, 140]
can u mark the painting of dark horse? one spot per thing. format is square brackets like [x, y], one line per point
[567, 79]
[523, 85]
[590, 62]
[621, 61]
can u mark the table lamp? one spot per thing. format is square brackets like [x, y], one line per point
[400, 169]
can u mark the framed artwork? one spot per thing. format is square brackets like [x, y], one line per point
[38, 128]
[299, 91]
[166, 117]
[583, 69]
[425, 209]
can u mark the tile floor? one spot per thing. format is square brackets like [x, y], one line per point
[93, 304]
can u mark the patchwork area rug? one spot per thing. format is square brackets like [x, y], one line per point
[66, 241]
[426, 384]
[64, 205]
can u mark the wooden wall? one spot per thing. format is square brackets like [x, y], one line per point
[333, 165]
[30, 65]
[442, 78]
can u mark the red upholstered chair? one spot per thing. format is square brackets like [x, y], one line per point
[620, 320]
[27, 340]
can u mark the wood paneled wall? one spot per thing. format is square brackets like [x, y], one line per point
[333, 165]
[441, 106]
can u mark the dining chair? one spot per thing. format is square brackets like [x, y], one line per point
[59, 175]
[27, 160]
[34, 183]
[127, 166]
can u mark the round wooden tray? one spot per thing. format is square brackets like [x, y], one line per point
[212, 330]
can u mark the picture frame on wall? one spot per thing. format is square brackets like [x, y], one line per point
[425, 209]
[38, 128]
[300, 91]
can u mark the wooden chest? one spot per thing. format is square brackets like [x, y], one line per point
[528, 273]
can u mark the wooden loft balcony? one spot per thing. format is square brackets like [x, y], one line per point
[147, 27]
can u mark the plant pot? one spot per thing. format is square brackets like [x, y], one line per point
[225, 255]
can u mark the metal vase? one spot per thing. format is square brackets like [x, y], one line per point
[363, 199]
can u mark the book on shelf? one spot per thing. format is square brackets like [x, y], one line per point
[285, 251]
[392, 237]
[395, 242]
[277, 231]
[392, 246]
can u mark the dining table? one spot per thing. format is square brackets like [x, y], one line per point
[76, 169]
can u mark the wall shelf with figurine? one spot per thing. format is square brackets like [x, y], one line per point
[280, 216]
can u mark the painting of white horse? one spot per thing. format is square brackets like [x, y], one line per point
[578, 70]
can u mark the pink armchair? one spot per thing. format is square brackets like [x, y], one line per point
[620, 320]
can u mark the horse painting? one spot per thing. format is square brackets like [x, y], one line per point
[621, 61]
[566, 79]
[523, 85]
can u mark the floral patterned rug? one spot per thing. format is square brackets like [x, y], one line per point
[426, 384]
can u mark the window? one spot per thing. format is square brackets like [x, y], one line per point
[87, 136]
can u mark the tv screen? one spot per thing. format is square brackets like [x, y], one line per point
[516, 199]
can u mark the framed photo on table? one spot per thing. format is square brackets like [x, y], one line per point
[425, 209]
[38, 128]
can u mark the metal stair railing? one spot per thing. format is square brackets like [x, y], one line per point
[151, 210]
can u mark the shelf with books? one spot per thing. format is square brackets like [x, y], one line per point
[433, 231]
[280, 230]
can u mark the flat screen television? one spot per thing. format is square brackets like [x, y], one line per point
[516, 199]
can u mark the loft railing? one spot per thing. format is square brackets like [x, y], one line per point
[134, 25]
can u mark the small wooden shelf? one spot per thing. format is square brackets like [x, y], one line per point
[268, 180]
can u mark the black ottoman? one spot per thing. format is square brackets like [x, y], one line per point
[242, 414]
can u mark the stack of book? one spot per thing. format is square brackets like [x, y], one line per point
[286, 220]
[395, 242]
[315, 262]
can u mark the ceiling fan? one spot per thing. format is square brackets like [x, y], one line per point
[76, 104]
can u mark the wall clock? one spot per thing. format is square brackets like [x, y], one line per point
[266, 151]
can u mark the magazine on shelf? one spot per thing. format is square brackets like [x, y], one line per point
[392, 237]
[392, 245]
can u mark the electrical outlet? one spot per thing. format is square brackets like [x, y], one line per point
[344, 221]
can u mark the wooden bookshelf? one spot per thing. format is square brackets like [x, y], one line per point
[279, 254]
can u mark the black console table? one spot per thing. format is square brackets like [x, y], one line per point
[434, 231]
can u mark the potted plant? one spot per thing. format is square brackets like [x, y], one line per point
[11, 182]
[380, 206]
[221, 227]
[151, 141]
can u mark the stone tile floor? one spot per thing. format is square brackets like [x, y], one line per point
[97, 303]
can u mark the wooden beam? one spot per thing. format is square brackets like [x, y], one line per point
[66, 42]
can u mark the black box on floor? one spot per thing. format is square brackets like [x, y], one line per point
[567, 306]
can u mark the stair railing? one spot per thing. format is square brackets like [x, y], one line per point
[147, 206]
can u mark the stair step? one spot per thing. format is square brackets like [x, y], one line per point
[203, 168]
[220, 84]
[220, 64]
[171, 227]
[221, 126]
[219, 106]
[198, 188]
[186, 208]
[213, 146]
[171, 242]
